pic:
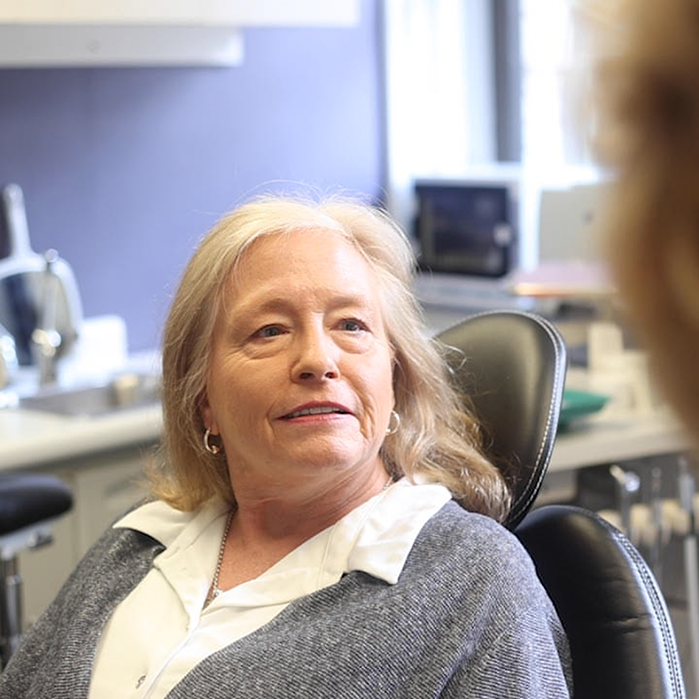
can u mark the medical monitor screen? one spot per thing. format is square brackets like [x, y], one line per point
[465, 229]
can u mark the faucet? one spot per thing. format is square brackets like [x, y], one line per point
[46, 340]
[8, 356]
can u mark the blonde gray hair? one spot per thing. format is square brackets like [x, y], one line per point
[438, 440]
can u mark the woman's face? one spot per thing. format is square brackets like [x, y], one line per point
[300, 381]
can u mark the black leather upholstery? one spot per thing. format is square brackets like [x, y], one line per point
[511, 365]
[622, 642]
[27, 499]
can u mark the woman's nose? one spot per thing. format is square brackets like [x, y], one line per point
[316, 357]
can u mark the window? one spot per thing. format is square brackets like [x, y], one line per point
[439, 92]
[473, 91]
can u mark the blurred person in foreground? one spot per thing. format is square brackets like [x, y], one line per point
[324, 523]
[646, 102]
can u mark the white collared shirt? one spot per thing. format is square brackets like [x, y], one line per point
[162, 630]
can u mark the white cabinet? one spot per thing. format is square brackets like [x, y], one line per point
[25, 45]
[104, 492]
[45, 569]
[149, 32]
[233, 13]
[104, 486]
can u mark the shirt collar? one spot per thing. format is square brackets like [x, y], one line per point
[376, 537]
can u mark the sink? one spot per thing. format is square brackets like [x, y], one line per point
[123, 392]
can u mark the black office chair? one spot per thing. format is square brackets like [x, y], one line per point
[29, 503]
[511, 366]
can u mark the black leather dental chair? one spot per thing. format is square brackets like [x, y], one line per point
[511, 367]
[28, 505]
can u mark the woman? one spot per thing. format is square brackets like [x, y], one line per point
[304, 541]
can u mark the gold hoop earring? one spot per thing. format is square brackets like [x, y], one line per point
[214, 449]
[395, 417]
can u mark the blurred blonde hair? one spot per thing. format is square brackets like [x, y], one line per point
[646, 99]
[437, 440]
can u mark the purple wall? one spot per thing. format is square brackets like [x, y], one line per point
[124, 169]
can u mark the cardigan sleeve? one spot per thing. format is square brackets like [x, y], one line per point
[54, 661]
[529, 658]
[517, 647]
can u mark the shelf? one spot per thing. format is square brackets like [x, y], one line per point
[231, 13]
[150, 32]
[58, 46]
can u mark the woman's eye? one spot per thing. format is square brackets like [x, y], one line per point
[352, 325]
[269, 331]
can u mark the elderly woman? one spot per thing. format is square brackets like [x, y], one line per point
[324, 523]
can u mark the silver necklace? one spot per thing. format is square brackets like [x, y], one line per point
[215, 590]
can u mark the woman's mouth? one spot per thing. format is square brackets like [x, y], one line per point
[315, 410]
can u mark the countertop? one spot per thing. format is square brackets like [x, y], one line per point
[617, 438]
[33, 438]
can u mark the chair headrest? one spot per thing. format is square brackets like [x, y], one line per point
[510, 366]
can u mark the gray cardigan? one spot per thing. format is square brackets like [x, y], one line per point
[467, 618]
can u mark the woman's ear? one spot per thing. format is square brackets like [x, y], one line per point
[207, 415]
